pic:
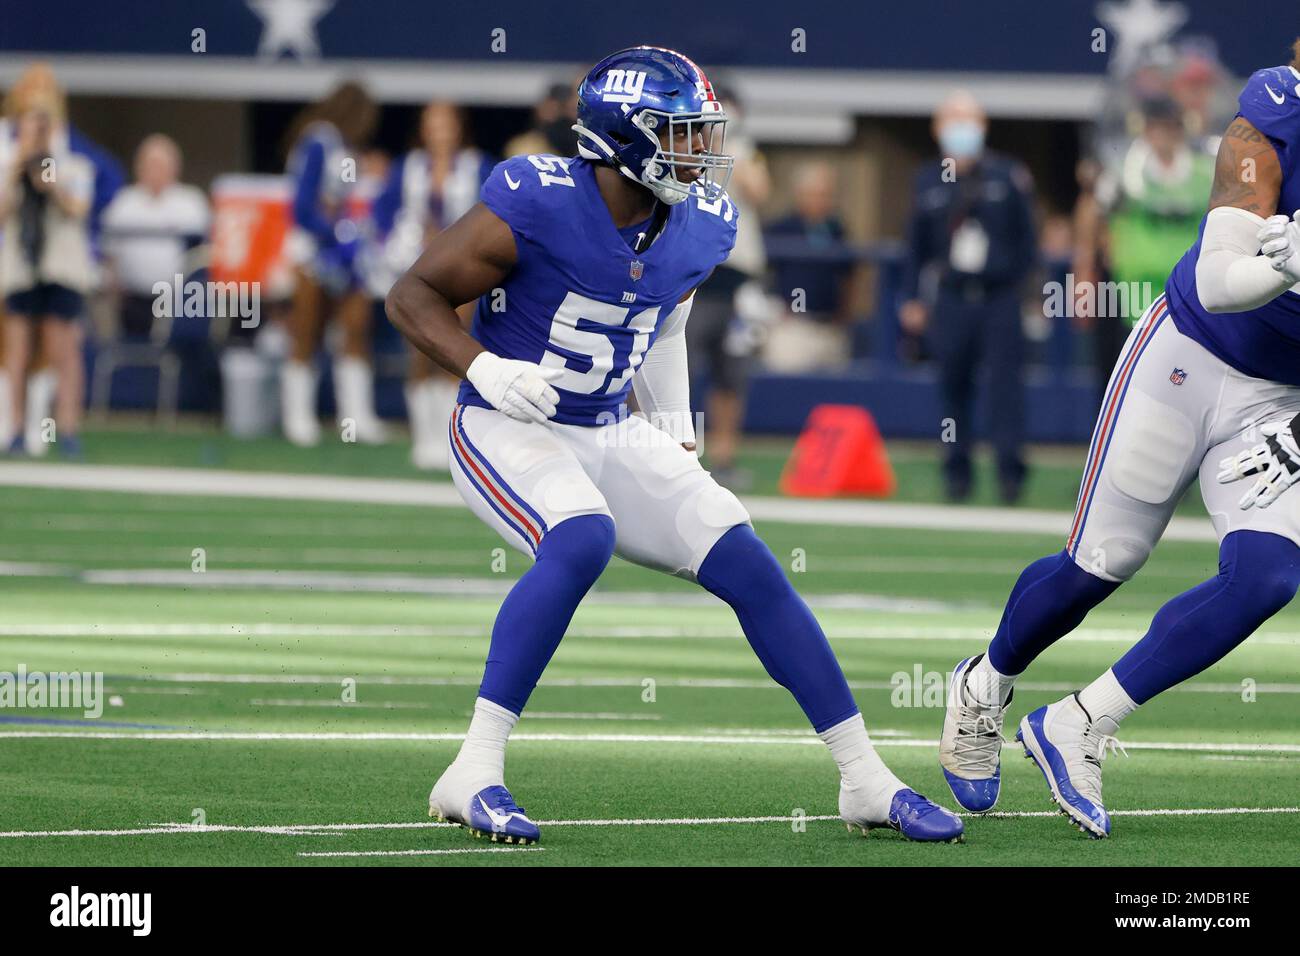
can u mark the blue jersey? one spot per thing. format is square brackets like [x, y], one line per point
[579, 299]
[1264, 342]
[320, 191]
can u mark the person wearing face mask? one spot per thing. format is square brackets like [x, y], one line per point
[971, 242]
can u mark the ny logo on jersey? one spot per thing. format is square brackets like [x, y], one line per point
[623, 86]
[1178, 376]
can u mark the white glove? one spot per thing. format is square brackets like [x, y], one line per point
[518, 389]
[1276, 462]
[1279, 239]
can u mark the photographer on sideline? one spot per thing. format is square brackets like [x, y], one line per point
[45, 263]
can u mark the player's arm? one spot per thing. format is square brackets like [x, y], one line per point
[464, 261]
[663, 384]
[1231, 275]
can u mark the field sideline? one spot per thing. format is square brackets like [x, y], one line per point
[292, 702]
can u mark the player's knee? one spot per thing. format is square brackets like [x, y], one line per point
[741, 565]
[1115, 559]
[1076, 588]
[584, 544]
[1261, 570]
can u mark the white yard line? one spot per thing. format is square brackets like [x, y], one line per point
[485, 849]
[698, 683]
[322, 829]
[340, 703]
[276, 557]
[758, 738]
[274, 579]
[702, 631]
[420, 705]
[387, 491]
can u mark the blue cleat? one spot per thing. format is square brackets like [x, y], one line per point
[1067, 745]
[970, 747]
[494, 813]
[910, 814]
[488, 811]
[918, 819]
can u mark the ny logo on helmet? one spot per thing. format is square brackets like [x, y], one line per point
[623, 86]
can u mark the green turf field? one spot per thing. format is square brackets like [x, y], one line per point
[299, 695]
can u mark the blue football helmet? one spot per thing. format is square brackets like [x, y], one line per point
[632, 97]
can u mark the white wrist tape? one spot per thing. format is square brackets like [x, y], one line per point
[1231, 275]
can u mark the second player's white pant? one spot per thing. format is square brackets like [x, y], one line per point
[523, 479]
[1172, 410]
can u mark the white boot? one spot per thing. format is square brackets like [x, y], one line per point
[7, 423]
[6, 413]
[1068, 745]
[298, 404]
[429, 404]
[354, 398]
[472, 792]
[871, 796]
[40, 406]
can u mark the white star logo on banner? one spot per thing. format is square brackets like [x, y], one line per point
[1138, 26]
[290, 25]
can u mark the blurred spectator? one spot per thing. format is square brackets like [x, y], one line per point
[1091, 269]
[971, 242]
[724, 330]
[38, 84]
[148, 228]
[1154, 204]
[814, 333]
[46, 265]
[326, 142]
[1200, 88]
[552, 129]
[429, 189]
[38, 81]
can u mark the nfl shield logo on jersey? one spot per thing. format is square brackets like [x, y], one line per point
[1178, 376]
[636, 269]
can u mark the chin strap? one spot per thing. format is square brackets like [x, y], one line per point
[591, 146]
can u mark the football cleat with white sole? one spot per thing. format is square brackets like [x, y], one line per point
[1068, 746]
[486, 812]
[970, 748]
[910, 814]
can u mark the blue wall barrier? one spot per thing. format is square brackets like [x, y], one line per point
[1062, 396]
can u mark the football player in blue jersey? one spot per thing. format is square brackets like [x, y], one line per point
[583, 270]
[1212, 367]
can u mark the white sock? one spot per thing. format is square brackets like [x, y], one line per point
[987, 684]
[484, 748]
[860, 766]
[354, 390]
[445, 393]
[429, 404]
[6, 413]
[1104, 697]
[41, 386]
[298, 390]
